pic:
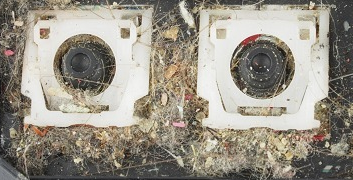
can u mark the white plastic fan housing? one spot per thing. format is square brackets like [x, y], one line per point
[132, 61]
[305, 32]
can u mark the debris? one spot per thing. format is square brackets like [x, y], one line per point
[13, 16]
[327, 169]
[171, 33]
[13, 133]
[254, 142]
[146, 125]
[9, 52]
[188, 97]
[103, 136]
[347, 124]
[25, 127]
[178, 158]
[186, 15]
[24, 112]
[210, 145]
[116, 164]
[289, 156]
[115, 5]
[270, 157]
[287, 169]
[193, 150]
[39, 132]
[161, 53]
[209, 162]
[196, 9]
[319, 137]
[57, 145]
[301, 149]
[164, 99]
[179, 124]
[181, 111]
[262, 145]
[153, 134]
[350, 111]
[327, 144]
[166, 123]
[341, 148]
[182, 149]
[78, 160]
[154, 169]
[170, 71]
[73, 108]
[279, 145]
[311, 5]
[346, 26]
[79, 142]
[179, 161]
[18, 23]
[284, 141]
[200, 116]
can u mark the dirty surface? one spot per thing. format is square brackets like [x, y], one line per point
[169, 140]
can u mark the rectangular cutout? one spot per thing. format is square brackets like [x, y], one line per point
[221, 33]
[138, 24]
[138, 21]
[125, 33]
[304, 34]
[44, 33]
